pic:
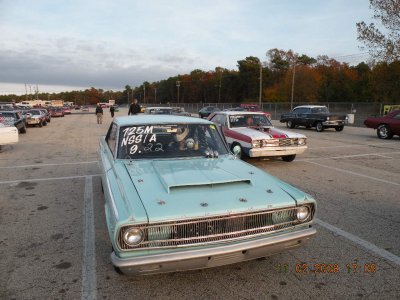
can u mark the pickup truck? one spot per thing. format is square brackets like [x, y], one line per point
[314, 116]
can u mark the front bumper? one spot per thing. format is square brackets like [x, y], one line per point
[334, 123]
[212, 257]
[276, 151]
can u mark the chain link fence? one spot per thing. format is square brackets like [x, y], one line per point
[360, 110]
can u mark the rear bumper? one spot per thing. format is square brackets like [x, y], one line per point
[212, 257]
[276, 151]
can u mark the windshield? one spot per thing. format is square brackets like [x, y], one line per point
[164, 141]
[247, 120]
[35, 112]
[7, 118]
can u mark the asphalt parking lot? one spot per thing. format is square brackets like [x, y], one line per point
[54, 242]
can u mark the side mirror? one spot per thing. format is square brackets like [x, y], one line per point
[237, 151]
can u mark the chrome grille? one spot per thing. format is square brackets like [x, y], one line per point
[184, 233]
[288, 142]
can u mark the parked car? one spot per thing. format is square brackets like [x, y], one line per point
[314, 116]
[166, 111]
[207, 110]
[67, 110]
[35, 117]
[387, 126]
[56, 112]
[8, 135]
[176, 199]
[252, 134]
[254, 108]
[85, 108]
[13, 118]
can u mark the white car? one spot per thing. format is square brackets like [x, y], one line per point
[252, 134]
[8, 135]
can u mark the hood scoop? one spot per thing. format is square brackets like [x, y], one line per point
[195, 173]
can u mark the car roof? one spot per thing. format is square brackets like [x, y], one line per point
[158, 119]
[310, 106]
[233, 112]
[158, 107]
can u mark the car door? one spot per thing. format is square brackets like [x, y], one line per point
[395, 124]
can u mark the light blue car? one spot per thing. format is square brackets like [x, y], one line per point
[176, 199]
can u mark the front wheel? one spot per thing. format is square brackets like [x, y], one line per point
[339, 128]
[384, 132]
[289, 158]
[319, 127]
[290, 124]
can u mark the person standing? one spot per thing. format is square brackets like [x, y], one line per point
[99, 114]
[112, 109]
[134, 108]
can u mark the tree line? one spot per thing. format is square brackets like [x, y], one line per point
[311, 80]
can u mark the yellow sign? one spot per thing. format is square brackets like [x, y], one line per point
[388, 108]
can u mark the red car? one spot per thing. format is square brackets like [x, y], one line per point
[254, 108]
[386, 126]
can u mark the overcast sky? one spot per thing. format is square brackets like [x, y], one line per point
[108, 44]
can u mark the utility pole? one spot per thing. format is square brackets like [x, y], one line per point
[26, 93]
[178, 84]
[37, 92]
[144, 93]
[155, 95]
[259, 100]
[294, 73]
[219, 90]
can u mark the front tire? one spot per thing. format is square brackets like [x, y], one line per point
[290, 124]
[319, 127]
[339, 128]
[384, 132]
[289, 158]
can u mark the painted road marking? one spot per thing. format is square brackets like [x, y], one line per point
[363, 243]
[350, 156]
[50, 165]
[89, 289]
[354, 173]
[46, 179]
[351, 146]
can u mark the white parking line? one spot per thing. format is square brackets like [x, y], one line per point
[46, 179]
[89, 289]
[363, 243]
[49, 165]
[350, 156]
[350, 146]
[354, 173]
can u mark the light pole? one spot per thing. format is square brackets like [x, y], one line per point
[178, 84]
[155, 95]
[259, 100]
[144, 93]
[294, 73]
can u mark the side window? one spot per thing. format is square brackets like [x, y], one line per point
[111, 138]
[297, 110]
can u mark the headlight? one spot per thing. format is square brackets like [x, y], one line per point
[327, 118]
[302, 213]
[302, 141]
[133, 236]
[269, 143]
[256, 143]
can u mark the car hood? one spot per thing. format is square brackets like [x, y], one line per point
[266, 133]
[198, 187]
